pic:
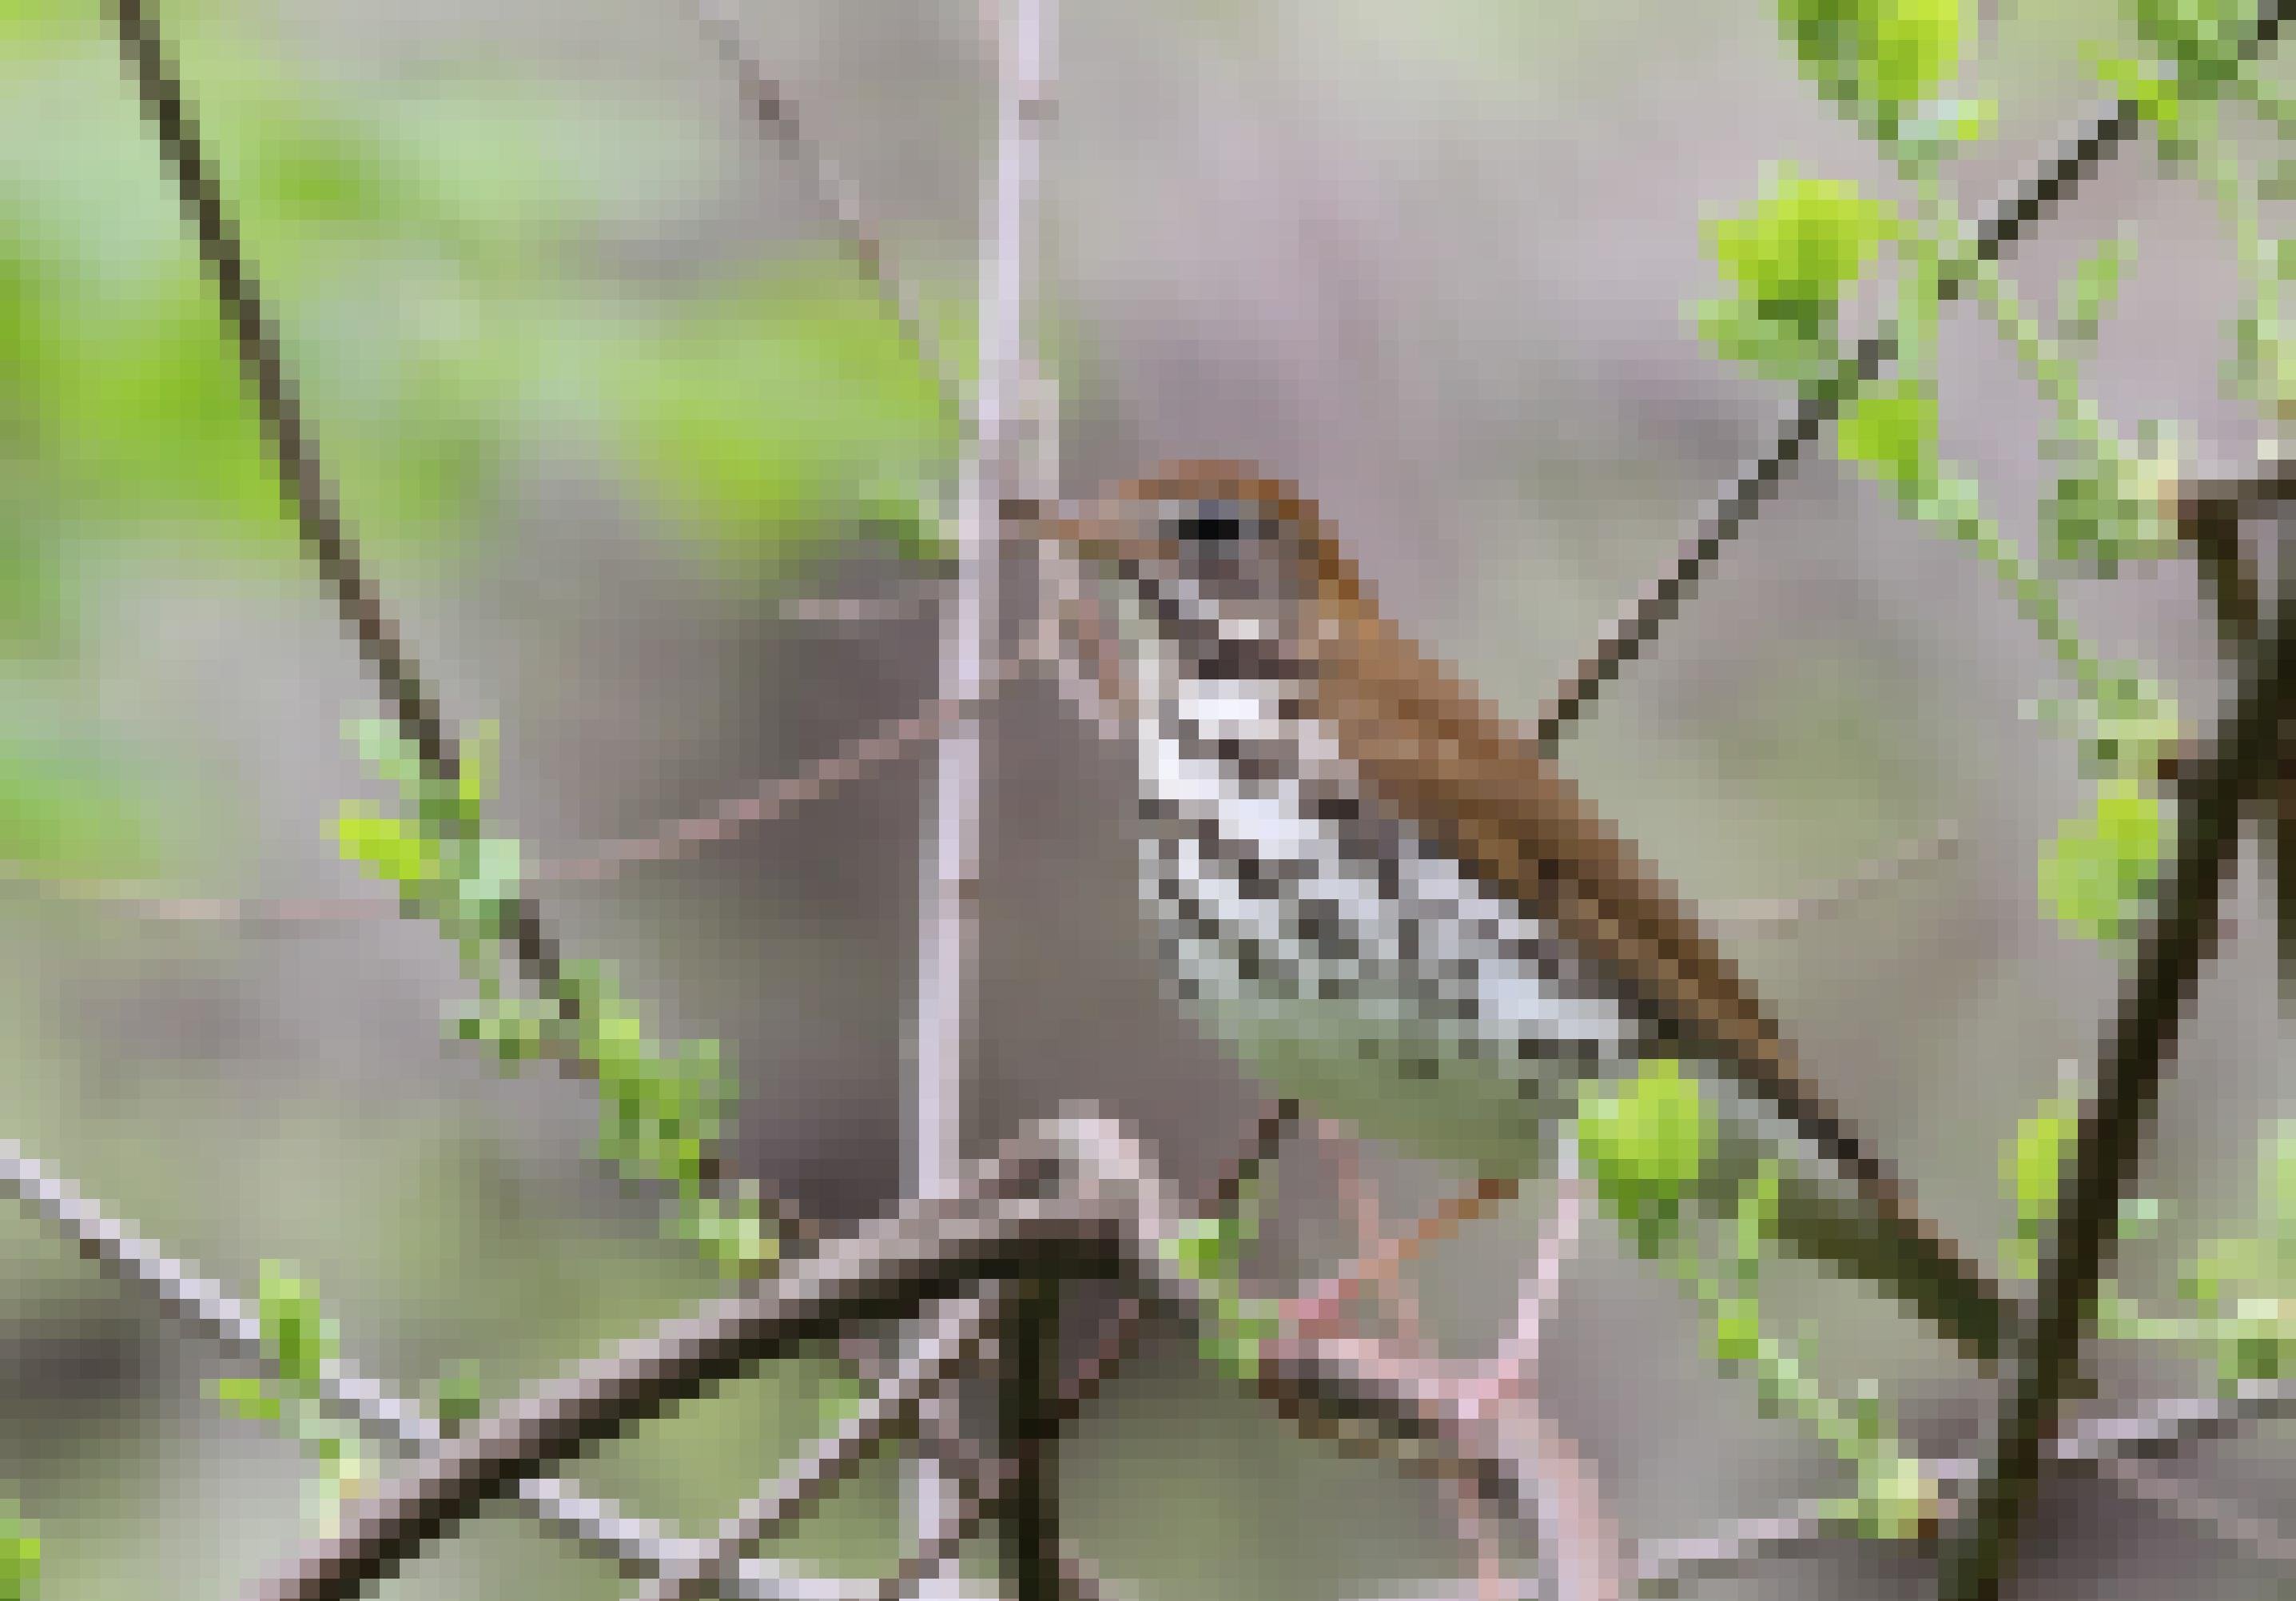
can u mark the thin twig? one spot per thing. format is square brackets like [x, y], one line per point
[2047, 187]
[916, 598]
[1120, 1332]
[2229, 1522]
[1106, 1207]
[1343, 1152]
[1786, 916]
[1662, 1567]
[949, 935]
[308, 490]
[953, 1339]
[833, 195]
[1323, 1301]
[770, 802]
[132, 1259]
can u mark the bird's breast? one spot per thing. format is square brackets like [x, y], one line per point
[1344, 958]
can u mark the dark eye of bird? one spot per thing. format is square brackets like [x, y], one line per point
[1210, 524]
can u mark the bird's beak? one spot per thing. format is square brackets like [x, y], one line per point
[1095, 531]
[1074, 537]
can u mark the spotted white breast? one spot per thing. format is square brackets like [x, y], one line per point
[1346, 961]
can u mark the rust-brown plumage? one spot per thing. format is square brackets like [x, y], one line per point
[1445, 758]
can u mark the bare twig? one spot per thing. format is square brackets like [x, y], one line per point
[1662, 1567]
[2227, 1522]
[769, 802]
[953, 1339]
[303, 477]
[130, 1259]
[1786, 916]
[1120, 1331]
[1343, 1152]
[1324, 1300]
[947, 949]
[916, 598]
[1075, 1193]
[833, 195]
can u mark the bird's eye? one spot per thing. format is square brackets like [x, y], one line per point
[1210, 524]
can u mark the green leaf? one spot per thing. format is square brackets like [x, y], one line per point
[1889, 429]
[20, 1556]
[296, 1331]
[384, 748]
[492, 878]
[1878, 60]
[2128, 723]
[2198, 39]
[1803, 243]
[1786, 262]
[2097, 876]
[2152, 91]
[1738, 1331]
[736, 1234]
[457, 1398]
[1646, 1144]
[1910, 50]
[2094, 285]
[2110, 510]
[2032, 1171]
[1897, 1499]
[249, 1397]
[387, 847]
[2262, 368]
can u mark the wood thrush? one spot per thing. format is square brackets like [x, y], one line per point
[1378, 893]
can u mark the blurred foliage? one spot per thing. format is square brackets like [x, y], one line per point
[19, 1556]
[438, 254]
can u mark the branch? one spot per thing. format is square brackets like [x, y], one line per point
[2050, 184]
[2208, 514]
[835, 197]
[2138, 1046]
[953, 1340]
[132, 1259]
[1070, 1196]
[948, 937]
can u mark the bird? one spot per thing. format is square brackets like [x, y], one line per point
[1374, 889]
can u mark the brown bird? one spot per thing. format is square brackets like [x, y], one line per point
[1372, 887]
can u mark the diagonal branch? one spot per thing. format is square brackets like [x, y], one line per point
[132, 1259]
[303, 479]
[831, 193]
[2208, 515]
[1076, 1199]
[954, 1339]
[2048, 185]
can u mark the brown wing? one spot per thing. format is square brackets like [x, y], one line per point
[1441, 752]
